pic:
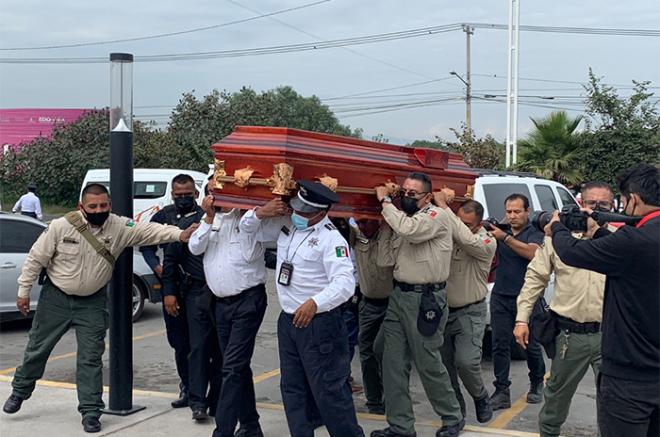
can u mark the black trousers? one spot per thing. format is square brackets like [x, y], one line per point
[315, 368]
[177, 337]
[204, 358]
[238, 319]
[628, 408]
[29, 214]
[502, 321]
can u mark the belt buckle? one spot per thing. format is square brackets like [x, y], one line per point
[418, 288]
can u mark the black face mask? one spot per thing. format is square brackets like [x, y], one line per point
[409, 205]
[184, 204]
[97, 218]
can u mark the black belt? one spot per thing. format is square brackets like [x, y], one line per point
[261, 288]
[454, 309]
[377, 302]
[566, 324]
[420, 288]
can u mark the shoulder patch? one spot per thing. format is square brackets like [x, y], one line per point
[341, 251]
[130, 223]
[330, 226]
[433, 213]
[285, 230]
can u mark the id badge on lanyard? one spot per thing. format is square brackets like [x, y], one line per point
[286, 269]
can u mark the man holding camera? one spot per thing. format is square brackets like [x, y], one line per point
[577, 307]
[628, 385]
[514, 251]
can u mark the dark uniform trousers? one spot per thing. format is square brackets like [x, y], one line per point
[503, 311]
[238, 319]
[204, 358]
[177, 337]
[372, 314]
[56, 313]
[628, 408]
[315, 368]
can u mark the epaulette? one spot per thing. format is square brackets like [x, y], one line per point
[330, 227]
[285, 230]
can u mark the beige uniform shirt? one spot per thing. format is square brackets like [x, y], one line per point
[375, 282]
[578, 292]
[420, 248]
[72, 263]
[470, 264]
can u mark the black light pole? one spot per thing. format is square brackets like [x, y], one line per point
[121, 192]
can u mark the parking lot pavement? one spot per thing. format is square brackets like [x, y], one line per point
[154, 372]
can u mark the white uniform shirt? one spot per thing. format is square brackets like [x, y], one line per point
[233, 260]
[29, 203]
[322, 268]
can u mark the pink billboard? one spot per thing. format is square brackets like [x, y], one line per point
[22, 125]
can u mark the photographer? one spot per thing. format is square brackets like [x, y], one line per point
[629, 383]
[514, 252]
[576, 307]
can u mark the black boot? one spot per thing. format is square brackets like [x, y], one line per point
[387, 432]
[535, 394]
[12, 404]
[450, 430]
[501, 399]
[483, 409]
[182, 402]
[91, 424]
[252, 431]
[199, 414]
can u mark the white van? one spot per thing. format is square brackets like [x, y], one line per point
[152, 187]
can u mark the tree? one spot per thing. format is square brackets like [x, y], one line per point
[622, 131]
[551, 150]
[197, 124]
[483, 152]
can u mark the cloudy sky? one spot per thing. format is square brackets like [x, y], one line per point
[410, 73]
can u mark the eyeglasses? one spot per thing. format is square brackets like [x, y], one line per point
[598, 204]
[411, 193]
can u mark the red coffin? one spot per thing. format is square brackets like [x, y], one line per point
[253, 164]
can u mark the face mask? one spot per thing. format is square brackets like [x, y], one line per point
[409, 205]
[184, 204]
[97, 218]
[299, 221]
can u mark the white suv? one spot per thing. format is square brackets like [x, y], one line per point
[492, 187]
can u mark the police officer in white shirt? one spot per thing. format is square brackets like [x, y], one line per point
[29, 203]
[314, 277]
[235, 272]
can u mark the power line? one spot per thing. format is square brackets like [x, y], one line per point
[164, 35]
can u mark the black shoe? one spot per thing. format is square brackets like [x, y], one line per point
[535, 394]
[450, 430]
[182, 402]
[249, 432]
[91, 424]
[376, 409]
[199, 414]
[501, 399]
[12, 404]
[387, 432]
[483, 409]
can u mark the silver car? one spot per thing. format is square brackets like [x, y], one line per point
[17, 235]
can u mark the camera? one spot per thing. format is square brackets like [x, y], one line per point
[570, 216]
[492, 223]
[576, 220]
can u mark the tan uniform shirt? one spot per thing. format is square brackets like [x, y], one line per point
[72, 263]
[578, 292]
[470, 264]
[420, 248]
[375, 282]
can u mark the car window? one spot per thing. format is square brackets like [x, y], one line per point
[18, 236]
[496, 193]
[565, 196]
[546, 197]
[143, 190]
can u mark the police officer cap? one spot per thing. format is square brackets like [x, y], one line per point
[313, 196]
[31, 186]
[429, 315]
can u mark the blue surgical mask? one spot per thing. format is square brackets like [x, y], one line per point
[299, 221]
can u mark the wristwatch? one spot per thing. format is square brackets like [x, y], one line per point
[387, 199]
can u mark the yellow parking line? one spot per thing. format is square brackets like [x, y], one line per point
[266, 375]
[518, 407]
[73, 354]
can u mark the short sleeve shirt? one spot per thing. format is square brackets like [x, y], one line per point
[512, 267]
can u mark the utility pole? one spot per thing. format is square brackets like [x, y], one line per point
[513, 55]
[468, 81]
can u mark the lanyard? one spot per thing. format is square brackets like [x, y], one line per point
[299, 244]
[648, 217]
